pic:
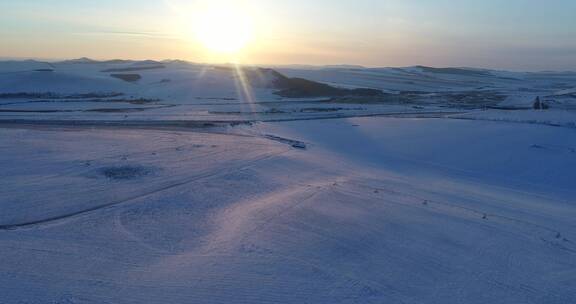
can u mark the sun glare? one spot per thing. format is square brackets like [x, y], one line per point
[223, 29]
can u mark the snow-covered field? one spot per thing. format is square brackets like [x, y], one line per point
[266, 199]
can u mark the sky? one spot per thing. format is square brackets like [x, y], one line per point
[502, 34]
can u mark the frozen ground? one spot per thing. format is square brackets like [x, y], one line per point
[316, 202]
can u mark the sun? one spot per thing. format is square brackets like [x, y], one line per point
[223, 29]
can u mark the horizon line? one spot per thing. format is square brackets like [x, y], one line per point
[295, 65]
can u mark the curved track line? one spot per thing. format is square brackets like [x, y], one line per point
[59, 218]
[478, 213]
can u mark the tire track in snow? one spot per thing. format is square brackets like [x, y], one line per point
[72, 215]
[491, 278]
[443, 206]
[250, 225]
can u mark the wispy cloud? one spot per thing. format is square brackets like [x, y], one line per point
[144, 34]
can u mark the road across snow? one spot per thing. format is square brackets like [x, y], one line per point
[375, 210]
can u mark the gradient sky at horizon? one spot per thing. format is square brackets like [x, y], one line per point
[504, 34]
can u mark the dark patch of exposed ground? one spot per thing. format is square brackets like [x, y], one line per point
[127, 172]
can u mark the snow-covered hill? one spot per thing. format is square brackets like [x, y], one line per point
[144, 182]
[175, 90]
[375, 211]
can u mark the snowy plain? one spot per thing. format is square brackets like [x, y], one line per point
[212, 192]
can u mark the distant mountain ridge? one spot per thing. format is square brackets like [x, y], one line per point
[182, 80]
